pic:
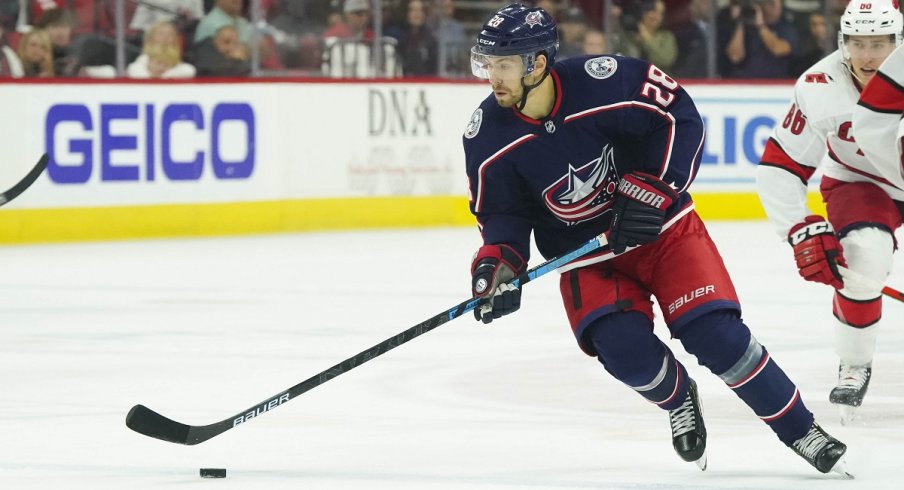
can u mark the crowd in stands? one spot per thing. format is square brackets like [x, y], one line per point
[741, 39]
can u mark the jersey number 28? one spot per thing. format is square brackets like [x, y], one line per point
[659, 87]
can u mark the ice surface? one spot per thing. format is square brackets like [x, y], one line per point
[201, 329]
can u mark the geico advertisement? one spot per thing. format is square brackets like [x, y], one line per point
[128, 144]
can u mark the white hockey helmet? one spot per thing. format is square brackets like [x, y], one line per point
[871, 18]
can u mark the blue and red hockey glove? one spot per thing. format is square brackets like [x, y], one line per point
[639, 210]
[492, 267]
[817, 251]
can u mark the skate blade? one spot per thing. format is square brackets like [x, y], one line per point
[848, 413]
[701, 463]
[841, 469]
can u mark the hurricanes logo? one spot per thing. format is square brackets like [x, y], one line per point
[585, 192]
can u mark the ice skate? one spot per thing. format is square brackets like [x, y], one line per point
[688, 431]
[852, 384]
[822, 451]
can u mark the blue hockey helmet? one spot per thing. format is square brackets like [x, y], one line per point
[516, 30]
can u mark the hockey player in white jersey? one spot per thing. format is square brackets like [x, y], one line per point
[877, 117]
[864, 201]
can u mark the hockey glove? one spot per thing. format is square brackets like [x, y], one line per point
[639, 210]
[817, 251]
[492, 267]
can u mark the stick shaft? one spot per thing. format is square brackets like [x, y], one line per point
[150, 423]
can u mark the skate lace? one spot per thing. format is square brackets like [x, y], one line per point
[810, 444]
[682, 418]
[852, 377]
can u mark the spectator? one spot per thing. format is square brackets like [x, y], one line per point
[417, 48]
[10, 66]
[182, 13]
[693, 42]
[58, 24]
[572, 27]
[36, 54]
[355, 23]
[811, 45]
[223, 55]
[759, 40]
[451, 39]
[161, 55]
[296, 33]
[617, 37]
[224, 13]
[654, 44]
[594, 42]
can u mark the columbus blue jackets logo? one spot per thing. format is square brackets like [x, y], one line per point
[474, 124]
[602, 67]
[533, 19]
[585, 192]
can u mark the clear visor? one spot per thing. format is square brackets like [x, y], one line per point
[868, 46]
[498, 67]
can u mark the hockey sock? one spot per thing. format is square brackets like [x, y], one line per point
[724, 344]
[631, 352]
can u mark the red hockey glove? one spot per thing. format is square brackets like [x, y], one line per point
[817, 251]
[639, 210]
[492, 267]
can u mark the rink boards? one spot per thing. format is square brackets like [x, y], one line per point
[134, 160]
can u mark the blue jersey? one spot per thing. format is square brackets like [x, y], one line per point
[558, 176]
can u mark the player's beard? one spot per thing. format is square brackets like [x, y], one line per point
[508, 98]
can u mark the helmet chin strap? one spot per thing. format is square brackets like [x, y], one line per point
[528, 88]
[847, 64]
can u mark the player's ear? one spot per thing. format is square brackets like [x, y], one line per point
[540, 62]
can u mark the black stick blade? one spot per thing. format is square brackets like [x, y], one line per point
[145, 421]
[11, 193]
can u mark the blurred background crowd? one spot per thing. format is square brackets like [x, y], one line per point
[726, 39]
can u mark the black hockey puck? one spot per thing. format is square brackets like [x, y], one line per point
[213, 472]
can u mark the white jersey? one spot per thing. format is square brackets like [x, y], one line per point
[816, 133]
[877, 117]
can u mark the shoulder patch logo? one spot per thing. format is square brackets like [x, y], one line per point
[601, 68]
[474, 124]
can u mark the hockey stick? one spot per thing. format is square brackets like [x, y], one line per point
[23, 184]
[850, 275]
[150, 423]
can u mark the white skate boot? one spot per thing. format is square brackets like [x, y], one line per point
[852, 384]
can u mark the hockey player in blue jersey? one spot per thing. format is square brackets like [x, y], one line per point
[611, 144]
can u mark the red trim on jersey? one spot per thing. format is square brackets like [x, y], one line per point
[882, 94]
[695, 163]
[775, 156]
[857, 171]
[555, 107]
[478, 200]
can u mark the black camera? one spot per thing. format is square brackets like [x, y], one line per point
[749, 9]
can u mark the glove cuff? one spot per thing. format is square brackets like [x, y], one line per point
[501, 253]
